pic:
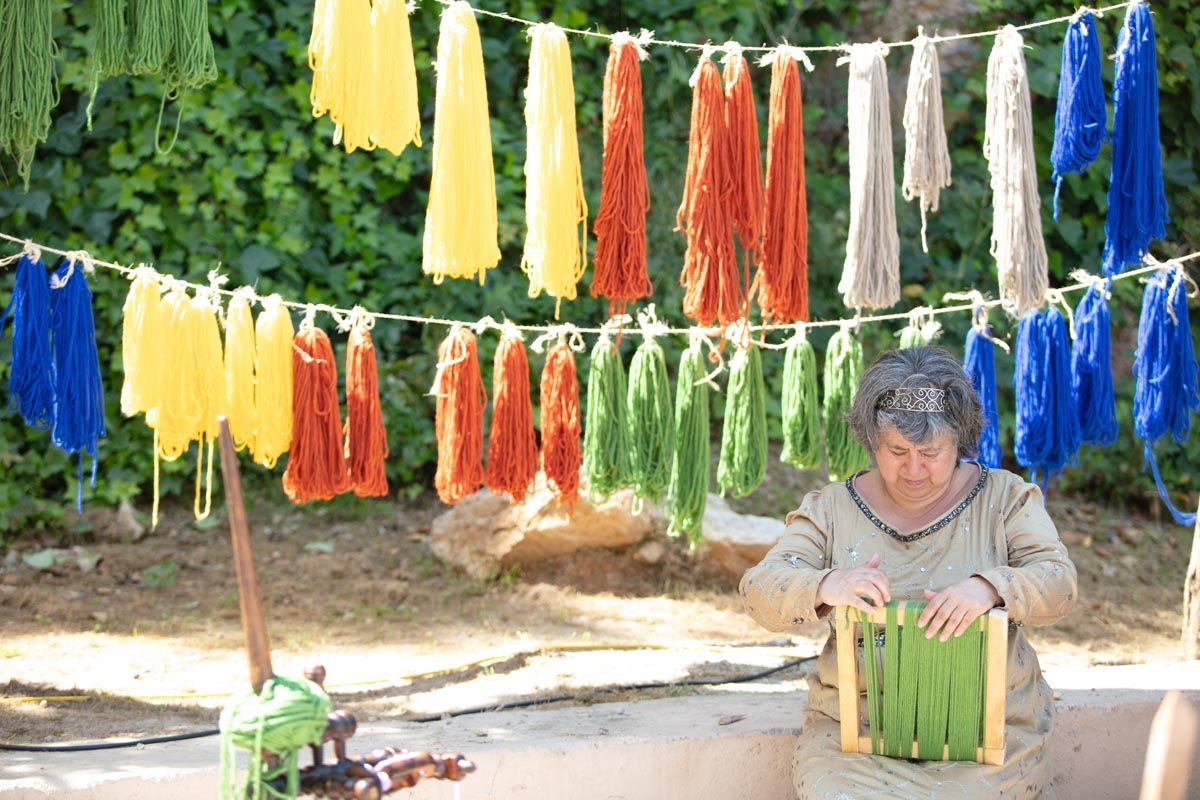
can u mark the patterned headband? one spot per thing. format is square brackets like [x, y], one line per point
[925, 398]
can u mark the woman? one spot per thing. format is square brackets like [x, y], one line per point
[924, 523]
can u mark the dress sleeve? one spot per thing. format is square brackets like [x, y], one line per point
[1039, 585]
[780, 591]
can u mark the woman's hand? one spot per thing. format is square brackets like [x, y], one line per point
[953, 609]
[848, 587]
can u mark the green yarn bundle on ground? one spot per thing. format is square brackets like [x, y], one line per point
[651, 423]
[605, 437]
[688, 493]
[801, 412]
[743, 462]
[843, 367]
[286, 715]
[28, 86]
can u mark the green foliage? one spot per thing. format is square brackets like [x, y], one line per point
[255, 186]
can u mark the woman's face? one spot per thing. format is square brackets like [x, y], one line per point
[915, 472]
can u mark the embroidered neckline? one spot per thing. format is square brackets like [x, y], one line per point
[921, 534]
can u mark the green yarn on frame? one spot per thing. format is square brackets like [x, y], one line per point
[843, 367]
[688, 492]
[651, 423]
[286, 715]
[801, 412]
[930, 692]
[605, 437]
[28, 86]
[743, 462]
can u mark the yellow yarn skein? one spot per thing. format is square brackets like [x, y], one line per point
[318, 57]
[239, 369]
[143, 334]
[399, 120]
[461, 226]
[273, 394]
[354, 106]
[555, 208]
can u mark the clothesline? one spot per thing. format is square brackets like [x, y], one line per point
[646, 38]
[340, 315]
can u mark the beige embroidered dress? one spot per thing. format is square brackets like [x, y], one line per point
[1000, 531]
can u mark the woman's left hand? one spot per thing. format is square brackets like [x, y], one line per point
[953, 609]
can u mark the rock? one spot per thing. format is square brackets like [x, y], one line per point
[118, 524]
[650, 553]
[736, 541]
[1075, 538]
[128, 522]
[485, 533]
[1130, 535]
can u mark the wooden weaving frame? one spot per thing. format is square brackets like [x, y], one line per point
[995, 653]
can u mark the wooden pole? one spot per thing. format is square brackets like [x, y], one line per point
[258, 650]
[1191, 598]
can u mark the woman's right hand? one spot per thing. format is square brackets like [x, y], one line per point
[849, 587]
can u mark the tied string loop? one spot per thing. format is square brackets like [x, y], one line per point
[797, 54]
[443, 364]
[1055, 297]
[697, 337]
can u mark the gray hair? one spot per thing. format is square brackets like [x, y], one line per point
[913, 368]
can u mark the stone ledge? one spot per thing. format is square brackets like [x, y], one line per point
[670, 749]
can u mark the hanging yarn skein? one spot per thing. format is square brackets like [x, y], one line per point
[512, 457]
[871, 273]
[1047, 425]
[1017, 243]
[712, 291]
[926, 153]
[273, 336]
[316, 468]
[651, 421]
[620, 272]
[461, 227]
[843, 368]
[110, 46]
[783, 282]
[1137, 201]
[979, 362]
[745, 162]
[366, 436]
[800, 399]
[562, 454]
[1081, 117]
[461, 399]
[31, 374]
[399, 115]
[28, 85]
[743, 460]
[78, 388]
[144, 330]
[606, 460]
[240, 407]
[1165, 369]
[687, 494]
[555, 209]
[1091, 368]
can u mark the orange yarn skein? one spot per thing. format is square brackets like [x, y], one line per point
[316, 467]
[745, 163]
[366, 437]
[461, 398]
[512, 461]
[562, 452]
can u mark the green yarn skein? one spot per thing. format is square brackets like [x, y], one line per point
[286, 715]
[843, 368]
[605, 437]
[801, 412]
[743, 462]
[28, 86]
[651, 423]
[688, 493]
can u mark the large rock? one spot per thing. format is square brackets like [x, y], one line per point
[485, 533]
[736, 541]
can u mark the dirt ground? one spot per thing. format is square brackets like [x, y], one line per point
[134, 639]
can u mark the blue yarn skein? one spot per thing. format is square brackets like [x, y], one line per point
[1091, 369]
[1081, 116]
[31, 377]
[1031, 438]
[1166, 371]
[79, 401]
[1064, 420]
[1137, 202]
[979, 362]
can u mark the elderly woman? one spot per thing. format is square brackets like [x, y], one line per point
[925, 523]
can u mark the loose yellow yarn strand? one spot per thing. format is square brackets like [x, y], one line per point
[555, 208]
[239, 370]
[143, 334]
[461, 226]
[273, 395]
